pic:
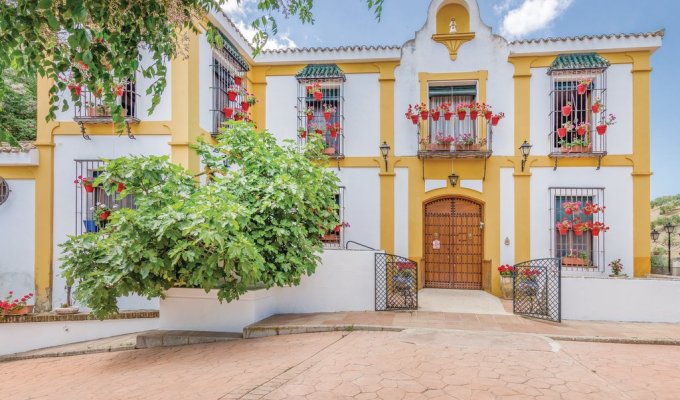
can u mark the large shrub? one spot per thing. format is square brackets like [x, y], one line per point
[258, 220]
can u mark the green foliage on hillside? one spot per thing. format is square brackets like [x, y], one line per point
[17, 106]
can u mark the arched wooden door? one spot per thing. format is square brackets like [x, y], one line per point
[456, 261]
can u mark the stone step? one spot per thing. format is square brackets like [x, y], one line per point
[160, 338]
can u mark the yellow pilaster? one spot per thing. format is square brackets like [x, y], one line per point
[641, 163]
[44, 197]
[185, 112]
[387, 188]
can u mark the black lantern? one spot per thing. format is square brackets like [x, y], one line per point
[385, 151]
[453, 179]
[669, 228]
[655, 235]
[525, 148]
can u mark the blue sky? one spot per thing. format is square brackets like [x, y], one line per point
[347, 22]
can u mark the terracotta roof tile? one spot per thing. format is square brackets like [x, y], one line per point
[659, 33]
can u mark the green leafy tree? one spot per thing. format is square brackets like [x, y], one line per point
[96, 45]
[17, 107]
[257, 221]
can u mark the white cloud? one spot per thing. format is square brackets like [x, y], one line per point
[239, 12]
[503, 7]
[531, 16]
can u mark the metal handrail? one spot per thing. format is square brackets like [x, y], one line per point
[360, 244]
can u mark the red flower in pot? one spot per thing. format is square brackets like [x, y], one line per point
[597, 105]
[571, 207]
[606, 121]
[238, 80]
[121, 187]
[228, 112]
[563, 227]
[495, 119]
[85, 182]
[435, 114]
[461, 110]
[566, 110]
[582, 86]
[412, 115]
[328, 111]
[597, 227]
[579, 228]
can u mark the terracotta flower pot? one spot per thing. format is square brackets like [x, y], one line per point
[573, 261]
[334, 133]
[245, 106]
[228, 112]
[495, 120]
[595, 108]
[438, 147]
[310, 117]
[330, 238]
[595, 231]
[21, 311]
[562, 231]
[488, 115]
[601, 129]
[231, 95]
[473, 115]
[506, 287]
[574, 149]
[88, 187]
[435, 116]
[91, 111]
[327, 116]
[318, 96]
[238, 80]
[562, 132]
[461, 115]
[121, 187]
[414, 119]
[566, 110]
[581, 89]
[447, 115]
[424, 115]
[468, 147]
[329, 151]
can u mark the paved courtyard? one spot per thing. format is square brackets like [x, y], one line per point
[412, 364]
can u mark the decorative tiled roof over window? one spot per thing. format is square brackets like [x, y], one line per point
[578, 61]
[231, 49]
[321, 71]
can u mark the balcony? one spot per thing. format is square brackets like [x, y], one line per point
[92, 109]
[455, 137]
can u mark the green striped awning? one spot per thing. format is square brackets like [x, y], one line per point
[467, 90]
[578, 61]
[321, 71]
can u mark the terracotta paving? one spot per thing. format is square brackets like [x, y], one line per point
[412, 364]
[611, 331]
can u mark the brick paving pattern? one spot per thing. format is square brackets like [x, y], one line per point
[412, 364]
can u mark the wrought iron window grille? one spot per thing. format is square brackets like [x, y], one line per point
[227, 72]
[578, 251]
[334, 238]
[92, 109]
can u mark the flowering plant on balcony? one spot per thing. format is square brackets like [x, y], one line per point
[309, 112]
[579, 227]
[328, 110]
[462, 109]
[434, 112]
[422, 110]
[334, 129]
[597, 227]
[241, 115]
[582, 128]
[102, 211]
[410, 114]
[444, 107]
[597, 104]
[563, 226]
[85, 182]
[583, 85]
[234, 91]
[338, 227]
[13, 306]
[506, 270]
[579, 145]
[605, 122]
[496, 118]
[444, 139]
[302, 133]
[475, 108]
[486, 110]
[317, 128]
[566, 127]
[592, 208]
[571, 207]
[468, 139]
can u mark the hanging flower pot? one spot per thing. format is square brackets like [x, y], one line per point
[334, 133]
[414, 118]
[424, 115]
[329, 151]
[318, 131]
[238, 80]
[562, 132]
[228, 112]
[88, 187]
[448, 115]
[238, 117]
[435, 116]
[473, 115]
[595, 107]
[601, 129]
[318, 96]
[581, 88]
[563, 231]
[105, 215]
[495, 119]
[569, 211]
[488, 115]
[303, 134]
[121, 187]
[245, 105]
[595, 231]
[581, 130]
[327, 116]
[566, 110]
[461, 115]
[231, 95]
[578, 232]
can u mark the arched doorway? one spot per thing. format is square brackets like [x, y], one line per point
[455, 261]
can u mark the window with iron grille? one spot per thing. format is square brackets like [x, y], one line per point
[578, 96]
[228, 74]
[86, 219]
[92, 107]
[321, 106]
[577, 227]
[336, 237]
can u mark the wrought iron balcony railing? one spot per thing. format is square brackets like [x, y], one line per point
[455, 137]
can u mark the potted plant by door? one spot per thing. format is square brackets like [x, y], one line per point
[616, 267]
[506, 272]
[605, 122]
[405, 276]
[18, 306]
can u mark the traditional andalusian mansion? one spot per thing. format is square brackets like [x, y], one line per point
[455, 192]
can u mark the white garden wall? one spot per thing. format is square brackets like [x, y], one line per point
[17, 239]
[362, 115]
[617, 299]
[362, 204]
[344, 281]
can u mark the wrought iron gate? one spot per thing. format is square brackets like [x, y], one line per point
[537, 289]
[396, 283]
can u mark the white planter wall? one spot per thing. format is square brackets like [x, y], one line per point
[344, 281]
[362, 204]
[616, 299]
[17, 239]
